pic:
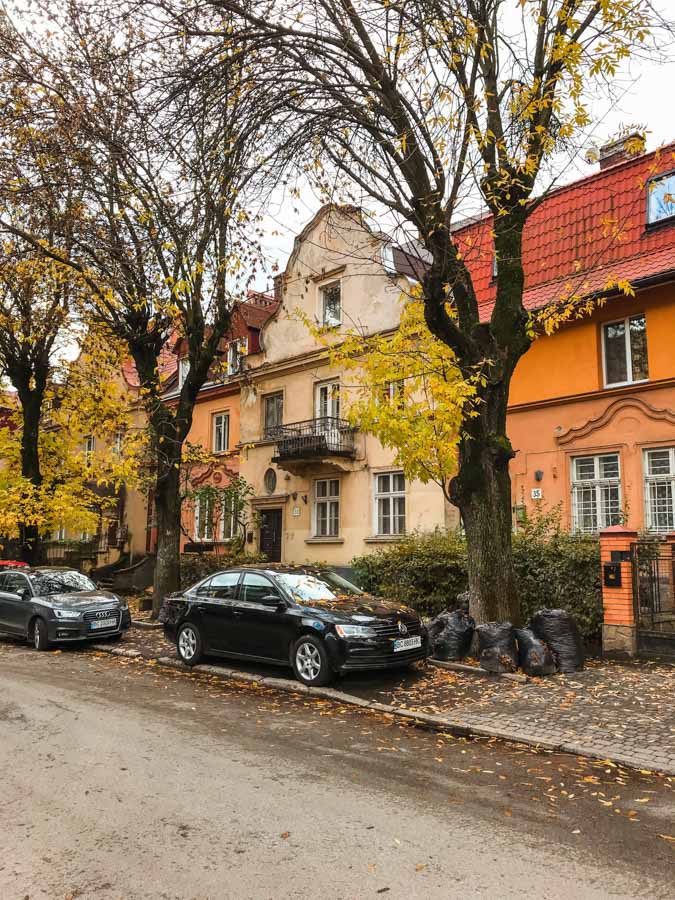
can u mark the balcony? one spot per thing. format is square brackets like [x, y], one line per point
[313, 440]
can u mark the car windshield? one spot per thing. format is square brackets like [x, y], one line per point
[307, 586]
[46, 583]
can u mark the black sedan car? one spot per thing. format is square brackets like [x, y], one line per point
[311, 619]
[49, 605]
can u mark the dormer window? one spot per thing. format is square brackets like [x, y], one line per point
[183, 369]
[331, 304]
[661, 198]
[236, 351]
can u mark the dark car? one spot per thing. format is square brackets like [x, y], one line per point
[49, 605]
[311, 619]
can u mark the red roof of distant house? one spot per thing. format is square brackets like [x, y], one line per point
[248, 317]
[580, 237]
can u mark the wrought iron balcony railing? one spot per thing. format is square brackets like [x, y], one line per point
[313, 439]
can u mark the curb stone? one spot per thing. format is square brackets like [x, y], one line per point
[475, 670]
[451, 726]
[148, 626]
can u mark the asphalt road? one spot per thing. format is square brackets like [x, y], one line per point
[123, 781]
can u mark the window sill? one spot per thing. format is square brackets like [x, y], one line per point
[383, 538]
[620, 384]
[324, 540]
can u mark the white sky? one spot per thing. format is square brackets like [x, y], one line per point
[645, 98]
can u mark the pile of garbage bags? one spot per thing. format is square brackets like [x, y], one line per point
[450, 635]
[552, 642]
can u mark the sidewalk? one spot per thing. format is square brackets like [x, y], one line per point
[624, 712]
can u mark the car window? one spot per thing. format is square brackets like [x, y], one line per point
[306, 586]
[45, 583]
[224, 586]
[255, 587]
[14, 583]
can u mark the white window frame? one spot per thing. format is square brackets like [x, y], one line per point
[322, 303]
[236, 351]
[208, 537]
[651, 188]
[596, 484]
[221, 535]
[59, 534]
[224, 425]
[272, 395]
[391, 495]
[183, 369]
[658, 479]
[628, 350]
[328, 500]
[332, 399]
[89, 447]
[117, 443]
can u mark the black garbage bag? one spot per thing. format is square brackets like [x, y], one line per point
[450, 635]
[534, 656]
[558, 629]
[497, 647]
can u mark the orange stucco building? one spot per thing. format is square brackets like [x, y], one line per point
[592, 406]
[216, 423]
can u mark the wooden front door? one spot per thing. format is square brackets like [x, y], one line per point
[270, 534]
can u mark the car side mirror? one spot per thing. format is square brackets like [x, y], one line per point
[272, 600]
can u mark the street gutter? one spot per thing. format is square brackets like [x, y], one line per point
[429, 721]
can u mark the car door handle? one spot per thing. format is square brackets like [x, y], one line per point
[238, 612]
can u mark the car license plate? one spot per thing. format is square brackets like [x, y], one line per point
[407, 643]
[103, 623]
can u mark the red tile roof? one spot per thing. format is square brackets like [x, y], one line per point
[583, 235]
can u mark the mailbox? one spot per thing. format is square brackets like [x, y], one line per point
[612, 574]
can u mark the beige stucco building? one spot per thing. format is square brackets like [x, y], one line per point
[322, 490]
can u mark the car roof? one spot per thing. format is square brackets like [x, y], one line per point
[274, 569]
[39, 570]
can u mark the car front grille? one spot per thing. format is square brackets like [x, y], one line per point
[392, 631]
[95, 616]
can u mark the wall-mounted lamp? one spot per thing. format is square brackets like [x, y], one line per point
[304, 499]
[294, 495]
[538, 475]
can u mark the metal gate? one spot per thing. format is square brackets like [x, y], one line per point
[654, 595]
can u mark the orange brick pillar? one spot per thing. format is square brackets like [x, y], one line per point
[619, 631]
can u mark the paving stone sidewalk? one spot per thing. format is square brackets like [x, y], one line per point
[611, 710]
[622, 712]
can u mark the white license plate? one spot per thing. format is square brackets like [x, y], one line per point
[103, 623]
[407, 643]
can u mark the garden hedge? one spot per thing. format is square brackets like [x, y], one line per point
[427, 570]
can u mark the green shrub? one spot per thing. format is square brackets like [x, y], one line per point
[425, 569]
[195, 566]
[553, 569]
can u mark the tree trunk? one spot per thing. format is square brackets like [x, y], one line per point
[31, 407]
[168, 511]
[482, 491]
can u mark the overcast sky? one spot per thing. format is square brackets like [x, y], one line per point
[645, 100]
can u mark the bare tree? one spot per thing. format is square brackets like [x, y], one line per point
[172, 172]
[423, 108]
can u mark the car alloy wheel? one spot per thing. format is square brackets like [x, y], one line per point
[40, 637]
[308, 661]
[189, 645]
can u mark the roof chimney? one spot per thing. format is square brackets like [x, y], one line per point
[278, 287]
[621, 149]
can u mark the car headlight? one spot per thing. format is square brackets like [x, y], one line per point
[123, 603]
[66, 614]
[361, 631]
